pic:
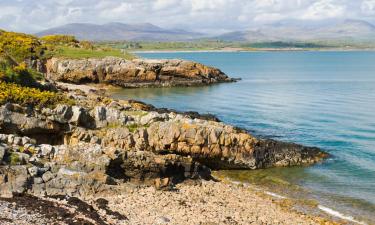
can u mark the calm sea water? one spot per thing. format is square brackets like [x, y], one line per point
[324, 99]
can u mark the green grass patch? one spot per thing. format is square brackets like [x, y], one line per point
[81, 53]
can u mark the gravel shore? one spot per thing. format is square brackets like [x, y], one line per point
[211, 203]
[207, 203]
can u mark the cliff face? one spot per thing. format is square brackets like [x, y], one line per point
[134, 73]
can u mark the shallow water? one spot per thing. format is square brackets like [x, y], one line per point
[324, 99]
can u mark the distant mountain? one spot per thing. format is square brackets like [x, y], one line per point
[357, 30]
[121, 31]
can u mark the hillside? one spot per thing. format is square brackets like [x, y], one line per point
[348, 30]
[120, 31]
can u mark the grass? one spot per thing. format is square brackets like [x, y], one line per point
[79, 53]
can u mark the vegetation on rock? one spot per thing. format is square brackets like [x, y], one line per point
[60, 40]
[69, 47]
[20, 47]
[14, 93]
[19, 73]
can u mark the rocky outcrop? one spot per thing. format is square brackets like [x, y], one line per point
[99, 144]
[133, 73]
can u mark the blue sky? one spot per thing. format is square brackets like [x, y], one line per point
[200, 15]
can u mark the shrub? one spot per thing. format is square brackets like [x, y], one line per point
[87, 45]
[19, 73]
[20, 46]
[60, 39]
[14, 93]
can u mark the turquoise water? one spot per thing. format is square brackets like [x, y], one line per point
[324, 99]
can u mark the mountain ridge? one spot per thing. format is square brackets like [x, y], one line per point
[358, 30]
[116, 31]
[287, 30]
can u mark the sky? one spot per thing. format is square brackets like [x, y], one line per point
[198, 15]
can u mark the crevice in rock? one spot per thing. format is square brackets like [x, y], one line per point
[116, 169]
[51, 139]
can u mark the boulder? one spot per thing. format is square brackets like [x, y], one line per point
[13, 180]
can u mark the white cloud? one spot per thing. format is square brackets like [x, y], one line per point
[34, 15]
[268, 17]
[368, 7]
[324, 9]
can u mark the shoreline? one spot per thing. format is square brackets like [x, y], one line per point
[195, 201]
[253, 51]
[205, 202]
[298, 199]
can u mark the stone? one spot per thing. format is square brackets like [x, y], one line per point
[81, 117]
[46, 151]
[17, 141]
[152, 117]
[62, 113]
[33, 171]
[25, 140]
[16, 180]
[161, 183]
[161, 221]
[3, 138]
[38, 180]
[3, 151]
[47, 176]
[22, 124]
[10, 139]
[100, 115]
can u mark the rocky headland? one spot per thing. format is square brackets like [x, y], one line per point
[70, 155]
[133, 73]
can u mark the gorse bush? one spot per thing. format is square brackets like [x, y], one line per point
[20, 47]
[60, 39]
[19, 73]
[14, 93]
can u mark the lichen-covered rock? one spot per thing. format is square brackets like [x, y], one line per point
[100, 143]
[135, 73]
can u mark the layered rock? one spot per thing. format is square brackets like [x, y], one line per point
[133, 73]
[99, 144]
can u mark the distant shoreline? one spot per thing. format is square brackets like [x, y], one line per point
[254, 50]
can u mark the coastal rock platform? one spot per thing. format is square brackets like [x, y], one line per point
[133, 73]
